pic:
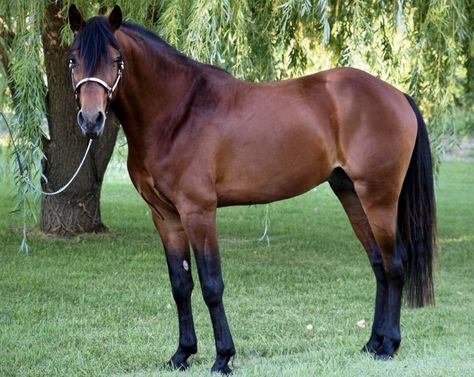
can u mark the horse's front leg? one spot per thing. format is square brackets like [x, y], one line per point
[176, 247]
[200, 226]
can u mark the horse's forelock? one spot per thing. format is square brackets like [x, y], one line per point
[93, 41]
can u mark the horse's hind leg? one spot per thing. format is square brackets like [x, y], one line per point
[344, 190]
[379, 200]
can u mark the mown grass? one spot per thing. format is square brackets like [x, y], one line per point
[100, 305]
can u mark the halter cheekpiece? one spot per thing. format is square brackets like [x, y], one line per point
[109, 89]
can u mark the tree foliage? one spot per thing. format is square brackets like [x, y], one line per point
[424, 47]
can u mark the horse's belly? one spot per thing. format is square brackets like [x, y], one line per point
[274, 178]
[243, 194]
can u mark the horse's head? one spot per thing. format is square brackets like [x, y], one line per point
[96, 65]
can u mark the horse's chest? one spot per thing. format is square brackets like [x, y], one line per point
[151, 192]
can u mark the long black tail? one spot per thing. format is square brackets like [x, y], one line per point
[417, 219]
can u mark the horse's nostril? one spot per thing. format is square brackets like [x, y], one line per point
[99, 118]
[80, 118]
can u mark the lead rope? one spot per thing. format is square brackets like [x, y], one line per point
[27, 179]
[67, 184]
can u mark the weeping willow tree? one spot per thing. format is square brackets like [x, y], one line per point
[423, 47]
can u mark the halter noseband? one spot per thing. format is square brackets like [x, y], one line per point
[109, 89]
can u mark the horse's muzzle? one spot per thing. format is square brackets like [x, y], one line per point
[91, 123]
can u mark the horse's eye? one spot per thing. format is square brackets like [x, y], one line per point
[72, 63]
[119, 62]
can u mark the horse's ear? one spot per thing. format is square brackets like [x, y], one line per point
[115, 18]
[75, 18]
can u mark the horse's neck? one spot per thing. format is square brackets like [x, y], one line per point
[153, 85]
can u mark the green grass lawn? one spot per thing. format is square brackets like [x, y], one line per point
[100, 305]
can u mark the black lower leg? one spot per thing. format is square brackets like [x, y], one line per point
[179, 268]
[212, 289]
[391, 328]
[224, 344]
[376, 336]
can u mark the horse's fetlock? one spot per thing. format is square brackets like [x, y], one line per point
[189, 347]
[230, 352]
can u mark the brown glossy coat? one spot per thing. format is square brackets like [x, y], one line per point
[199, 139]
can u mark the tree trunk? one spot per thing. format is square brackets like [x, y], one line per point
[77, 209]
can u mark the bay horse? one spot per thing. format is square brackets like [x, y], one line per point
[200, 139]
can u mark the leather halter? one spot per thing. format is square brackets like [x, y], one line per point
[109, 89]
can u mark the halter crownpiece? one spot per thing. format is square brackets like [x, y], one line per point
[109, 89]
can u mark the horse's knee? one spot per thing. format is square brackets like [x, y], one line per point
[181, 279]
[212, 290]
[210, 276]
[182, 287]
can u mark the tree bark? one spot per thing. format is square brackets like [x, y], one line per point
[7, 35]
[76, 210]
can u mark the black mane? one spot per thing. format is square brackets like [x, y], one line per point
[155, 38]
[92, 41]
[164, 46]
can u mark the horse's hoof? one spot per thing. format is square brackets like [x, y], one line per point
[387, 349]
[383, 357]
[368, 349]
[373, 344]
[183, 365]
[221, 364]
[225, 370]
